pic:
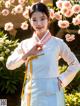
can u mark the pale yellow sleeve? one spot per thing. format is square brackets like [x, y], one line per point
[73, 64]
[15, 59]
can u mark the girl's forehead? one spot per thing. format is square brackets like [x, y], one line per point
[38, 14]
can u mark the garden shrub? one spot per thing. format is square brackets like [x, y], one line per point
[9, 79]
[72, 99]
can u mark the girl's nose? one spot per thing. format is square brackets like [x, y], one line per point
[38, 22]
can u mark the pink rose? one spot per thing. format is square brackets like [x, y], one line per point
[5, 12]
[63, 23]
[70, 37]
[69, 13]
[67, 4]
[66, 12]
[76, 8]
[51, 13]
[58, 16]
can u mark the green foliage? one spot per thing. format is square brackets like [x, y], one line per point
[62, 68]
[9, 80]
[6, 46]
[72, 99]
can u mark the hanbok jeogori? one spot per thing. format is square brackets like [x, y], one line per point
[42, 88]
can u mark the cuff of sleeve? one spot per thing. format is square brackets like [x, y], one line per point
[64, 81]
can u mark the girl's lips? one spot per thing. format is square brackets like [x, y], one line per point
[39, 27]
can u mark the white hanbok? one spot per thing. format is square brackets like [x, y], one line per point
[42, 87]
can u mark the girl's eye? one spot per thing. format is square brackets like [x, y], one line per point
[42, 19]
[34, 20]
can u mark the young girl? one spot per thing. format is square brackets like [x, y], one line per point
[40, 53]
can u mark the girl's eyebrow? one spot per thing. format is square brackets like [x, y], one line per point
[43, 16]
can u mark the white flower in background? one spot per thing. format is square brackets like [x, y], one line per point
[59, 4]
[13, 12]
[76, 21]
[27, 8]
[1, 59]
[79, 31]
[63, 24]
[11, 1]
[24, 25]
[25, 14]
[1, 40]
[7, 51]
[8, 26]
[7, 4]
[19, 9]
[21, 1]
[78, 16]
[5, 12]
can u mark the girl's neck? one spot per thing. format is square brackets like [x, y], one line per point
[40, 35]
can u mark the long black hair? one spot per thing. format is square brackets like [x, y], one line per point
[38, 7]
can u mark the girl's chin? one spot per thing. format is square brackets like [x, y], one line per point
[41, 31]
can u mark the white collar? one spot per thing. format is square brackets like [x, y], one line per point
[37, 38]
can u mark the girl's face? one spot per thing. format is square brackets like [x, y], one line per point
[39, 22]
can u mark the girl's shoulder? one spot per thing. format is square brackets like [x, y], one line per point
[57, 40]
[25, 41]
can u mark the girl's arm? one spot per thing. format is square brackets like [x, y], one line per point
[18, 57]
[73, 64]
[15, 59]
